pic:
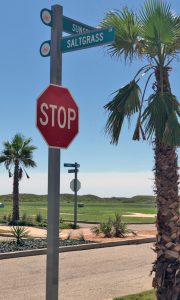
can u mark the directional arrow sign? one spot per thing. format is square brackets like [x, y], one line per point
[73, 26]
[87, 40]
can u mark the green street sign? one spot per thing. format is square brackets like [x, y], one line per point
[76, 27]
[81, 41]
[87, 40]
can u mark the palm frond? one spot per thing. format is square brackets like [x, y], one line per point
[171, 134]
[27, 162]
[125, 103]
[159, 115]
[126, 33]
[159, 27]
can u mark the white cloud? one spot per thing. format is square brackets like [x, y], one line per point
[106, 184]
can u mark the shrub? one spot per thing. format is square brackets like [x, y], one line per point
[39, 218]
[19, 232]
[80, 204]
[24, 217]
[9, 218]
[96, 230]
[119, 228]
[61, 220]
[111, 228]
[106, 228]
[4, 218]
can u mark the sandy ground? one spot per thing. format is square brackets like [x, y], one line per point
[87, 234]
[140, 215]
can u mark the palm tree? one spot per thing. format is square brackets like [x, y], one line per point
[17, 154]
[152, 35]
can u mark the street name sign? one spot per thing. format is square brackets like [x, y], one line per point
[90, 39]
[57, 116]
[73, 171]
[71, 165]
[76, 27]
[78, 42]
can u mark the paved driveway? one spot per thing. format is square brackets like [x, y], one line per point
[97, 274]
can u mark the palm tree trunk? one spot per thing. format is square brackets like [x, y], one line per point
[167, 246]
[15, 213]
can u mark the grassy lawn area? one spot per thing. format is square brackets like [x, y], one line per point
[95, 208]
[149, 295]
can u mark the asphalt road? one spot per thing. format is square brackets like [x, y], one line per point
[98, 274]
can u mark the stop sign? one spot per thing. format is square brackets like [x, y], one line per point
[57, 116]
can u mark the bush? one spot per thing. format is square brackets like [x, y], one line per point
[96, 230]
[4, 218]
[9, 218]
[39, 218]
[105, 228]
[24, 217]
[80, 204]
[120, 228]
[19, 232]
[111, 228]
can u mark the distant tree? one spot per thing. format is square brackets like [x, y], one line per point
[153, 35]
[17, 154]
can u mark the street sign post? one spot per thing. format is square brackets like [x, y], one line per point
[57, 116]
[45, 120]
[52, 264]
[58, 122]
[75, 184]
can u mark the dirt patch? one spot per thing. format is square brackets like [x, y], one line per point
[88, 235]
[85, 233]
[140, 215]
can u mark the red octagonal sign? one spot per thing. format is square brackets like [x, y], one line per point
[57, 116]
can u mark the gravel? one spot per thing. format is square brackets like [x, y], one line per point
[29, 244]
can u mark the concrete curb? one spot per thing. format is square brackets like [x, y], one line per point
[76, 248]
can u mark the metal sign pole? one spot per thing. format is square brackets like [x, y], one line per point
[75, 197]
[52, 265]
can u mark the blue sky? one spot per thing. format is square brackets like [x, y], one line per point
[91, 76]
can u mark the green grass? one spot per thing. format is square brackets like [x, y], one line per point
[149, 295]
[95, 208]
